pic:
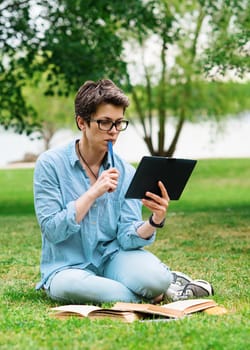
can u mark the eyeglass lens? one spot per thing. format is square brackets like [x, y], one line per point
[108, 124]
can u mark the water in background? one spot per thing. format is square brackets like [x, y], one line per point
[196, 141]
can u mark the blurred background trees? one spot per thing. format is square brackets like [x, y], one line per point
[187, 79]
[176, 59]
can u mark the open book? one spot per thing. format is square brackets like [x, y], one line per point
[95, 312]
[129, 312]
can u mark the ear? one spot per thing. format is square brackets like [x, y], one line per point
[80, 123]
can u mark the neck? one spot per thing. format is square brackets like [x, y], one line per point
[91, 169]
[94, 159]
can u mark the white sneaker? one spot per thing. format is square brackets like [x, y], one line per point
[184, 288]
[175, 290]
[198, 288]
[180, 278]
[174, 293]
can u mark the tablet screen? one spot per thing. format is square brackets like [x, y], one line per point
[173, 172]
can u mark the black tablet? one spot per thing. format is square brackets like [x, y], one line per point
[173, 172]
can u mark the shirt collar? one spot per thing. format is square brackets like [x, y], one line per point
[73, 158]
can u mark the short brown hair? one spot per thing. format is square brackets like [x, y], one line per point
[91, 94]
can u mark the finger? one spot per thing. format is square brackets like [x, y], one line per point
[163, 189]
[154, 206]
[159, 200]
[157, 204]
[112, 171]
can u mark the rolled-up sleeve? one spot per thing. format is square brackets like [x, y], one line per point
[131, 239]
[130, 221]
[56, 218]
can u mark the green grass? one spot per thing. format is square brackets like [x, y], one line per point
[206, 235]
[16, 192]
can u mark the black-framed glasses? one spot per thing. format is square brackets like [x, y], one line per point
[107, 125]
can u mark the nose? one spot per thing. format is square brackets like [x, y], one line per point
[113, 130]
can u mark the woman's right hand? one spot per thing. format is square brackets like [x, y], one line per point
[106, 182]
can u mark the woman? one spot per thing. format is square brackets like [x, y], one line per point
[92, 237]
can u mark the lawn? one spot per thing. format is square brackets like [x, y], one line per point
[206, 235]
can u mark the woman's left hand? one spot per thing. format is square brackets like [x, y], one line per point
[158, 205]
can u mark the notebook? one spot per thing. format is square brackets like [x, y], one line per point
[173, 172]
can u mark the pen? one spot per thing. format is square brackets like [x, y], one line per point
[110, 148]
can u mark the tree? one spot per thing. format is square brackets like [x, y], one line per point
[230, 47]
[75, 40]
[176, 85]
[53, 112]
[17, 47]
[70, 40]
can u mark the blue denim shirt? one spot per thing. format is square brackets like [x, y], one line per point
[110, 224]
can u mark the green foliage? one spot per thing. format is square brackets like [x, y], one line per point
[229, 49]
[87, 44]
[206, 235]
[71, 41]
[18, 47]
[53, 112]
[15, 113]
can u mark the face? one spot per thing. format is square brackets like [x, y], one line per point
[96, 138]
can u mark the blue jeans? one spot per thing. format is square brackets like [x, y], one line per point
[130, 276]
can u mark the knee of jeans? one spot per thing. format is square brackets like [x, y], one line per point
[162, 279]
[157, 282]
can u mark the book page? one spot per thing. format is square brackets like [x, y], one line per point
[190, 305]
[149, 309]
[125, 316]
[82, 310]
[176, 309]
[95, 312]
